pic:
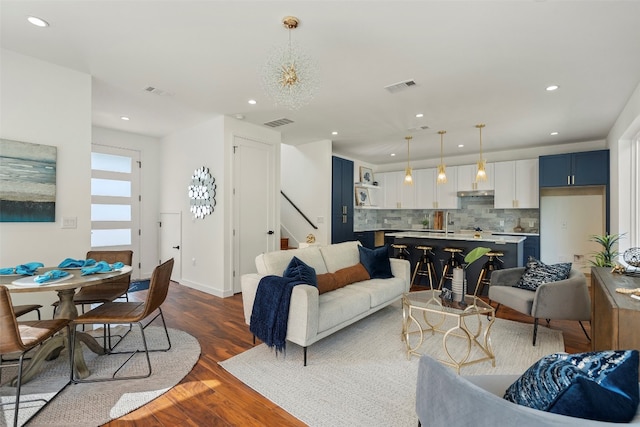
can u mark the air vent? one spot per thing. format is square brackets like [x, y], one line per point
[156, 91]
[278, 122]
[418, 128]
[397, 87]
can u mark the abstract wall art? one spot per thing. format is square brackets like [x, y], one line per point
[27, 182]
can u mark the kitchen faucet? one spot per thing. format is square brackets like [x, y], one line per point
[446, 223]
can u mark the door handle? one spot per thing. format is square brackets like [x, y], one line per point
[270, 232]
[176, 247]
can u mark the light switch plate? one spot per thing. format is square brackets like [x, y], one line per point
[70, 222]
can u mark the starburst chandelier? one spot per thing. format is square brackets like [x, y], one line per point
[290, 77]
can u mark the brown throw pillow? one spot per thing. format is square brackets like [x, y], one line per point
[331, 281]
[326, 283]
[349, 275]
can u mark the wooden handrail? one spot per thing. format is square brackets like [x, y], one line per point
[315, 227]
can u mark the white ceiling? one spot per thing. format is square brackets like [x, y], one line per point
[473, 62]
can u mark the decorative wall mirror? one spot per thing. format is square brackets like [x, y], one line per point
[202, 193]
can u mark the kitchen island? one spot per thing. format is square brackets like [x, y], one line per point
[511, 246]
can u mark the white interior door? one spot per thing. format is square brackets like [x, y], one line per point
[254, 205]
[170, 239]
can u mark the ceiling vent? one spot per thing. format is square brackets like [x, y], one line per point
[278, 122]
[418, 128]
[156, 91]
[397, 87]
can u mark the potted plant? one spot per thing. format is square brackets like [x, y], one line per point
[425, 222]
[458, 282]
[608, 253]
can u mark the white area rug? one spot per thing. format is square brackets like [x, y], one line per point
[94, 404]
[360, 376]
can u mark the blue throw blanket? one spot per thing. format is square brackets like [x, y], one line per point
[271, 310]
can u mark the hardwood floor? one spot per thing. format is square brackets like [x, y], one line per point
[208, 395]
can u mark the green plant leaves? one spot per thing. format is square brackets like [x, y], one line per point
[475, 254]
[606, 257]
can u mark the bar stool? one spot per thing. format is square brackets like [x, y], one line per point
[493, 263]
[401, 251]
[425, 267]
[452, 262]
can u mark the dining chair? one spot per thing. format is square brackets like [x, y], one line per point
[115, 312]
[21, 310]
[21, 337]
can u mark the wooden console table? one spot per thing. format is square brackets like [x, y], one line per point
[614, 317]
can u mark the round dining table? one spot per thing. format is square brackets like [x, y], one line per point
[66, 309]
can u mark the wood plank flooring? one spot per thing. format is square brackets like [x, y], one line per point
[209, 396]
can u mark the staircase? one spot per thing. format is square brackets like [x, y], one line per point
[284, 244]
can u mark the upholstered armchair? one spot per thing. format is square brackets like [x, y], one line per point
[561, 300]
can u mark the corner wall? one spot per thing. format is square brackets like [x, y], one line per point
[46, 104]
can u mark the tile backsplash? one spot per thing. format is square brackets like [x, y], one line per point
[474, 212]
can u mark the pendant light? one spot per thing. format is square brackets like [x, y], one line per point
[408, 179]
[482, 173]
[442, 176]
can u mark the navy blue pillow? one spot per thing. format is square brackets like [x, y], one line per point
[297, 269]
[599, 385]
[376, 261]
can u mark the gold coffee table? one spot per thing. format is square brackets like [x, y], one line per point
[471, 324]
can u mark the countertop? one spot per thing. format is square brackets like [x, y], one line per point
[428, 230]
[484, 237]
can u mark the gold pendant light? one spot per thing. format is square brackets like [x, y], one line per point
[482, 173]
[442, 175]
[408, 178]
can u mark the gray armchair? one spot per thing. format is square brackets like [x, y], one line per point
[562, 300]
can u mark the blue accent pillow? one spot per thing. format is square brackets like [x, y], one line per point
[297, 269]
[600, 385]
[536, 273]
[376, 261]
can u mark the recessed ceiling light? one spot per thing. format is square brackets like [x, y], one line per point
[460, 145]
[393, 154]
[252, 102]
[37, 21]
[419, 115]
[334, 133]
[552, 88]
[554, 133]
[239, 116]
[125, 118]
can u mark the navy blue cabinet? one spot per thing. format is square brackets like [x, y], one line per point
[531, 247]
[565, 170]
[367, 238]
[342, 200]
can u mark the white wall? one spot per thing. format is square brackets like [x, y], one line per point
[149, 149]
[208, 240]
[306, 180]
[46, 104]
[620, 139]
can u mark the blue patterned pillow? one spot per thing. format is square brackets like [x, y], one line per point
[376, 261]
[297, 269]
[600, 386]
[536, 273]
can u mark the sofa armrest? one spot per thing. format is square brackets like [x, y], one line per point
[506, 276]
[565, 299]
[303, 310]
[401, 268]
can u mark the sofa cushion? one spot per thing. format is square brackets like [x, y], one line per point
[326, 283]
[340, 255]
[600, 386]
[341, 306]
[276, 262]
[297, 269]
[376, 261]
[536, 273]
[381, 291]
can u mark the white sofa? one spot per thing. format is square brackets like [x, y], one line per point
[313, 316]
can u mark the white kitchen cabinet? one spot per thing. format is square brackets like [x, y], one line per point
[430, 194]
[467, 178]
[397, 195]
[516, 184]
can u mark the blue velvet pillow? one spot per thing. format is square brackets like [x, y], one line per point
[297, 269]
[376, 261]
[601, 385]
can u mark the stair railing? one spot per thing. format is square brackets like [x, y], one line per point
[315, 227]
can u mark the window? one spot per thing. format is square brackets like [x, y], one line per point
[114, 197]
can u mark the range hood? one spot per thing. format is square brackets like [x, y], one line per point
[476, 193]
